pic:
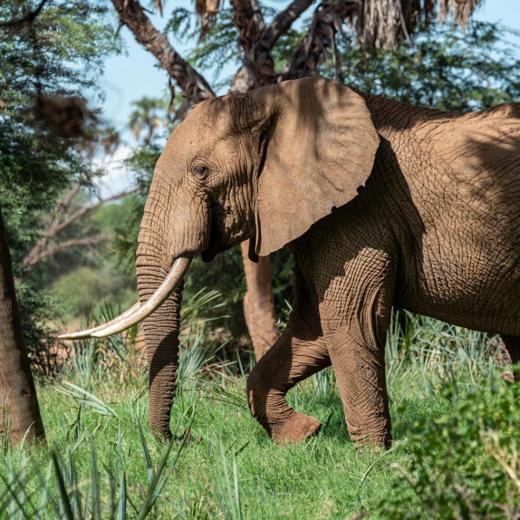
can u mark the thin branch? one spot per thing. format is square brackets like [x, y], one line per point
[91, 241]
[258, 42]
[326, 22]
[65, 203]
[258, 66]
[193, 84]
[283, 20]
[249, 21]
[89, 209]
[38, 252]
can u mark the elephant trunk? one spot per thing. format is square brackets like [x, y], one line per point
[161, 328]
[159, 282]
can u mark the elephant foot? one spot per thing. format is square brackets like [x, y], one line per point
[296, 428]
[370, 438]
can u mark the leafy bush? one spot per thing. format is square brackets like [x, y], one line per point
[464, 463]
[84, 289]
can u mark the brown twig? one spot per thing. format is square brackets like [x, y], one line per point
[91, 241]
[320, 40]
[283, 21]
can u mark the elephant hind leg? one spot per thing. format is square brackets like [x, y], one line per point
[289, 361]
[297, 354]
[512, 344]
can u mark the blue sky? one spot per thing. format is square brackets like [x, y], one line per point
[134, 74]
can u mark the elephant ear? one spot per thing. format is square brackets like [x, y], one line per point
[320, 148]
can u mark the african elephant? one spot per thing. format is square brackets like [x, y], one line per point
[381, 203]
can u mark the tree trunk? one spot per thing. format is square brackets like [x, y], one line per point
[19, 411]
[259, 309]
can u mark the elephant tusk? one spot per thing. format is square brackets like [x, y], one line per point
[88, 332]
[171, 281]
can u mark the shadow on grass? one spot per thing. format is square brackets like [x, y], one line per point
[328, 409]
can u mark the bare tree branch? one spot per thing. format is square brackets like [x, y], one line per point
[64, 204]
[258, 66]
[193, 84]
[283, 20]
[258, 41]
[249, 20]
[40, 249]
[326, 22]
[89, 209]
[91, 241]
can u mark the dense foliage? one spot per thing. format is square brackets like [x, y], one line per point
[466, 462]
[445, 68]
[58, 56]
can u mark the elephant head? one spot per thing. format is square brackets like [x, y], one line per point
[263, 166]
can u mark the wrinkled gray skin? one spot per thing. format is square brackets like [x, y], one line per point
[381, 203]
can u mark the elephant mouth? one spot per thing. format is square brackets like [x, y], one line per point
[216, 246]
[208, 255]
[214, 240]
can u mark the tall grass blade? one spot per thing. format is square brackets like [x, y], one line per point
[75, 493]
[16, 501]
[121, 510]
[147, 456]
[95, 499]
[232, 483]
[236, 483]
[87, 398]
[159, 478]
[62, 490]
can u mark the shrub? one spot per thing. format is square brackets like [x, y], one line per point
[466, 462]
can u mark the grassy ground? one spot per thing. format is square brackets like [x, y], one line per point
[102, 462]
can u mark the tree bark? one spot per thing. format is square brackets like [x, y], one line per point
[19, 411]
[193, 85]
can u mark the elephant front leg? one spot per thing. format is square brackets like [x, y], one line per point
[360, 375]
[291, 359]
[355, 331]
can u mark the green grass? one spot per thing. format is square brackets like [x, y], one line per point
[221, 463]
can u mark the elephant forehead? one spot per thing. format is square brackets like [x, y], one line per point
[194, 137]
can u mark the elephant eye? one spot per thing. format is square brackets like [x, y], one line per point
[200, 170]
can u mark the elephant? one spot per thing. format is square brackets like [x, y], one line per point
[382, 204]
